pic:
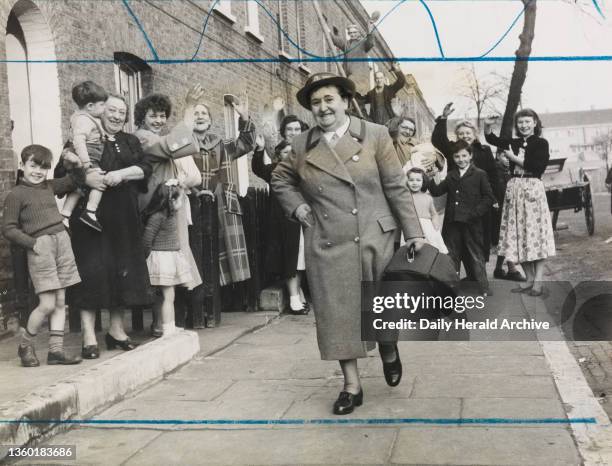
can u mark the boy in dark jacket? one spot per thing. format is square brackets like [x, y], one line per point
[469, 198]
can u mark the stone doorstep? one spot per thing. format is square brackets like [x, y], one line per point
[92, 389]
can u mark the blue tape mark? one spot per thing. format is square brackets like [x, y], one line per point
[179, 61]
[598, 8]
[507, 31]
[382, 421]
[146, 37]
[195, 54]
[435, 27]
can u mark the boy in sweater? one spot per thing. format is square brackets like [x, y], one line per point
[32, 220]
[469, 198]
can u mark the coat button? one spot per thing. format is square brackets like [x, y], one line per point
[355, 158]
[354, 211]
[328, 244]
[320, 188]
[356, 239]
[457, 191]
[325, 216]
[456, 203]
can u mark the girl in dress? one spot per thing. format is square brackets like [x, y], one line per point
[526, 233]
[430, 219]
[167, 265]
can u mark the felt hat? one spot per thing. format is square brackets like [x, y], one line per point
[318, 80]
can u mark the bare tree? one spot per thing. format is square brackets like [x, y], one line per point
[485, 93]
[519, 73]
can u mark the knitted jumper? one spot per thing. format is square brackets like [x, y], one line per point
[161, 233]
[30, 211]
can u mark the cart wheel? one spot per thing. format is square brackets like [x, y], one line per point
[555, 217]
[589, 212]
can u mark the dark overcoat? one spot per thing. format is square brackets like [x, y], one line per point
[358, 195]
[112, 263]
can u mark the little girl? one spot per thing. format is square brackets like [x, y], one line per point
[167, 265]
[430, 219]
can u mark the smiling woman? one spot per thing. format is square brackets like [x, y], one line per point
[112, 263]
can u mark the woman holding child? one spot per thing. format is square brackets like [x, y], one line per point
[112, 263]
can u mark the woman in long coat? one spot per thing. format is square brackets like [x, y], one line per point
[215, 160]
[350, 192]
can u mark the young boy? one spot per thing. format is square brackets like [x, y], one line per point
[87, 138]
[31, 219]
[469, 198]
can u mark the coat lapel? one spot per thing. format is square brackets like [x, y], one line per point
[322, 156]
[350, 144]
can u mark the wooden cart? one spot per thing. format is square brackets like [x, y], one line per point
[566, 191]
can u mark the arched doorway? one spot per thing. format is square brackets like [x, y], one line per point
[34, 98]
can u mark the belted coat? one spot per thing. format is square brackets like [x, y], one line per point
[358, 195]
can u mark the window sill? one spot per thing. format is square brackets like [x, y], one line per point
[304, 69]
[284, 56]
[254, 34]
[225, 15]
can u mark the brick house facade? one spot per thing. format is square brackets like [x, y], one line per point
[70, 41]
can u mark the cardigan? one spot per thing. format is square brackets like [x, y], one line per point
[537, 153]
[161, 233]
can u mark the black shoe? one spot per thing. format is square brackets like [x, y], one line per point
[90, 352]
[392, 370]
[125, 345]
[28, 356]
[88, 219]
[346, 402]
[61, 358]
[500, 274]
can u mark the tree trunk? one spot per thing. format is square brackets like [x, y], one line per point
[520, 67]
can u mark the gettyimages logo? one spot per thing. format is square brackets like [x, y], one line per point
[426, 310]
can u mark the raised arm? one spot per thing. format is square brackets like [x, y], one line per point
[439, 137]
[259, 168]
[399, 82]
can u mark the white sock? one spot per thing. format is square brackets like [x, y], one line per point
[295, 303]
[168, 329]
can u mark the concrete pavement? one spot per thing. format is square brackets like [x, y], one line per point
[458, 403]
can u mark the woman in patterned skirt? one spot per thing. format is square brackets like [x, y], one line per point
[526, 234]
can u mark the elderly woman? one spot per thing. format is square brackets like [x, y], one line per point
[215, 163]
[112, 263]
[284, 250]
[482, 158]
[171, 158]
[344, 184]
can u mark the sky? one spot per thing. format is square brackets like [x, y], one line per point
[470, 28]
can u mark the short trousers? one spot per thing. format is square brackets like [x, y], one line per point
[54, 267]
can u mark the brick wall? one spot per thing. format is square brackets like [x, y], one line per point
[95, 30]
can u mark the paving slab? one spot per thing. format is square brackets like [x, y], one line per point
[484, 386]
[485, 446]
[271, 446]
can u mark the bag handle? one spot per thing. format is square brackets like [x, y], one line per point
[410, 254]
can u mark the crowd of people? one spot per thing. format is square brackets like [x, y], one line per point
[342, 194]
